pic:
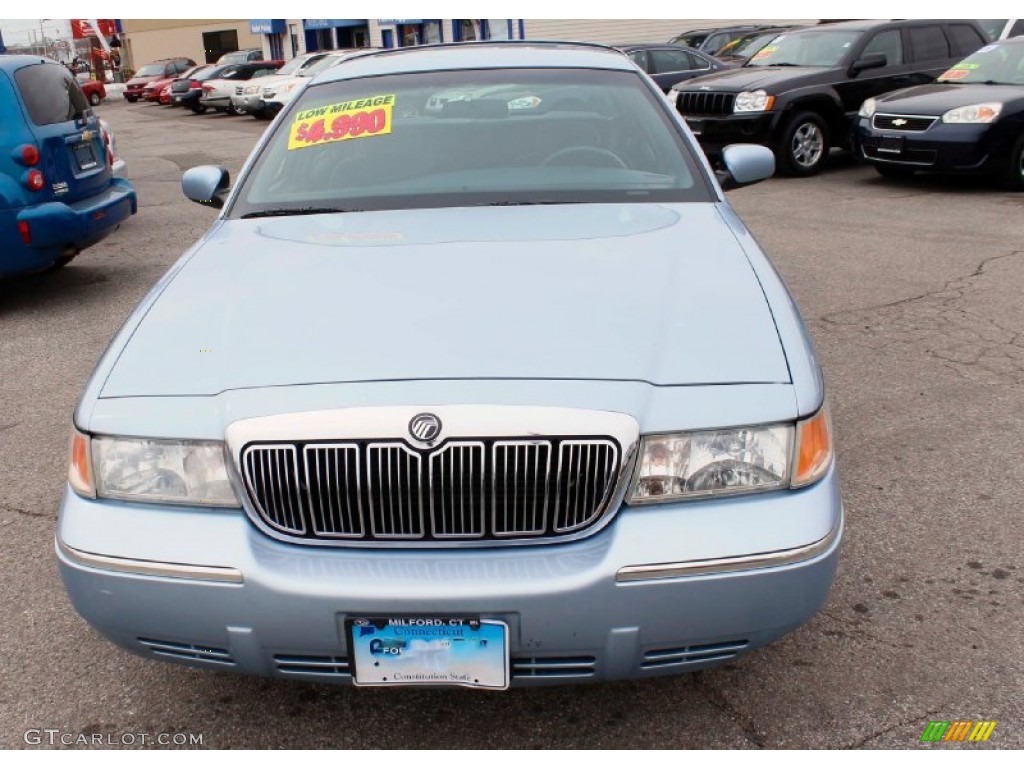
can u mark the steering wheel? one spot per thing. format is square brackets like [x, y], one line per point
[609, 158]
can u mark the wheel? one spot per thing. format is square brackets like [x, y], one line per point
[1013, 176]
[232, 111]
[198, 108]
[605, 157]
[94, 99]
[894, 171]
[803, 146]
[63, 261]
[131, 99]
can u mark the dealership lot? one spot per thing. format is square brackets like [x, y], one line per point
[911, 291]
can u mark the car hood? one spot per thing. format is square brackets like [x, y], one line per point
[662, 294]
[753, 78]
[272, 80]
[143, 80]
[936, 98]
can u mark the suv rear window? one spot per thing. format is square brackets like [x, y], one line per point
[51, 94]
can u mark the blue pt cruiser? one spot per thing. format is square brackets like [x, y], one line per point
[58, 194]
[477, 380]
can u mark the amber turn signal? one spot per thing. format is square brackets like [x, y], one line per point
[80, 468]
[813, 448]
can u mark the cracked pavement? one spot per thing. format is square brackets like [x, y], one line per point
[912, 292]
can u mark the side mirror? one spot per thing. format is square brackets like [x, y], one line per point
[745, 164]
[870, 61]
[207, 185]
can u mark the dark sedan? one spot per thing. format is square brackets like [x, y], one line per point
[971, 120]
[670, 64]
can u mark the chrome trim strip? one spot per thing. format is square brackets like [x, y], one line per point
[150, 567]
[729, 564]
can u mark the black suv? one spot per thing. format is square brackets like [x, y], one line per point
[800, 94]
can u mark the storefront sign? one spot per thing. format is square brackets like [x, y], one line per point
[330, 23]
[266, 26]
[399, 21]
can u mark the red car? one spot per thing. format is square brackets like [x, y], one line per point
[165, 95]
[94, 91]
[165, 69]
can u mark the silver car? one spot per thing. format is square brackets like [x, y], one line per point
[471, 396]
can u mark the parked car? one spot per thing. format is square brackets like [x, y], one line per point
[971, 120]
[800, 94]
[59, 196]
[189, 86]
[670, 64]
[94, 91]
[217, 92]
[711, 40]
[248, 99]
[278, 93]
[640, 482]
[157, 70]
[1002, 29]
[240, 57]
[739, 51]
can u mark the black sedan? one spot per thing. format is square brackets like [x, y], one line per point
[971, 120]
[670, 64]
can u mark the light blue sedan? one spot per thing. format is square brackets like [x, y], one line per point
[495, 392]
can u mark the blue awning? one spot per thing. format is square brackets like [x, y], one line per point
[329, 23]
[399, 21]
[266, 26]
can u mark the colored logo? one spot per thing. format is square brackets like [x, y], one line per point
[959, 730]
[425, 427]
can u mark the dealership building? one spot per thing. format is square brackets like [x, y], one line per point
[206, 40]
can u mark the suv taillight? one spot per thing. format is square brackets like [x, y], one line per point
[28, 155]
[35, 180]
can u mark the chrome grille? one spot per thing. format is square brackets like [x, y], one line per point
[271, 477]
[705, 103]
[912, 123]
[464, 489]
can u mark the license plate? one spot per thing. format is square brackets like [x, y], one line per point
[432, 650]
[891, 144]
[697, 126]
[84, 156]
[176, 99]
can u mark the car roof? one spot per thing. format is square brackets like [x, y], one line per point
[505, 54]
[863, 24]
[627, 46]
[9, 63]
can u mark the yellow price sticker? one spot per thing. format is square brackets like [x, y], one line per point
[353, 119]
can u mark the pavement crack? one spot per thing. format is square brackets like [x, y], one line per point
[20, 511]
[882, 731]
[716, 699]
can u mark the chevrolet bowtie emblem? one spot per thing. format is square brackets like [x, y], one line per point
[899, 121]
[705, 87]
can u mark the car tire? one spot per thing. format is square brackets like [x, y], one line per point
[131, 99]
[63, 261]
[232, 111]
[895, 171]
[94, 99]
[803, 146]
[1012, 177]
[198, 108]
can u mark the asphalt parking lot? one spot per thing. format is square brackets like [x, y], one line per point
[913, 294]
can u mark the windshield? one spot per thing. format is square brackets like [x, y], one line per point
[993, 27]
[237, 57]
[690, 39]
[999, 64]
[293, 65]
[150, 70]
[319, 66]
[817, 48]
[477, 137]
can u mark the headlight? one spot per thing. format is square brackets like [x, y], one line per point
[975, 113]
[753, 101]
[165, 471]
[692, 465]
[867, 109]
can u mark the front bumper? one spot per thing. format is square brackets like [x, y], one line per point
[215, 102]
[716, 132]
[656, 592]
[942, 148]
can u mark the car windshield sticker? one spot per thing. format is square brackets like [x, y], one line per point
[353, 119]
[766, 52]
[960, 71]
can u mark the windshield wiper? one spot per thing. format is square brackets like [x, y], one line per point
[297, 212]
